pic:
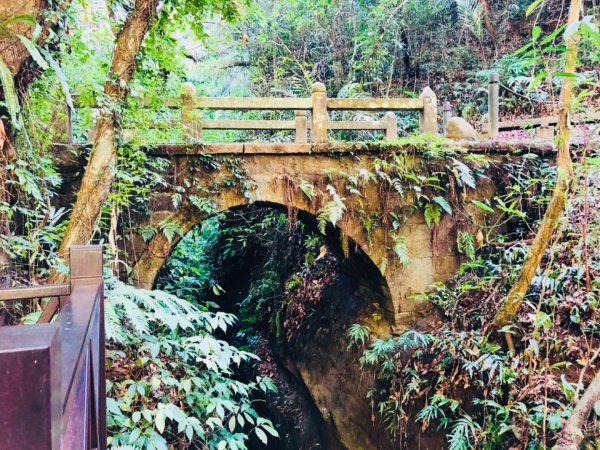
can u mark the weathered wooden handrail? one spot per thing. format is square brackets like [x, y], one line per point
[52, 383]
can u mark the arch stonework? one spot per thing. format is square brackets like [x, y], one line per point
[275, 179]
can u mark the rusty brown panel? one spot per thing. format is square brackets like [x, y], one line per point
[76, 415]
[30, 409]
[82, 325]
[75, 320]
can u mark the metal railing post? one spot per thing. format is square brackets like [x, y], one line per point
[493, 105]
[86, 265]
[428, 120]
[319, 114]
[30, 387]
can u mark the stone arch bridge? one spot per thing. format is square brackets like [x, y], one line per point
[281, 174]
[220, 177]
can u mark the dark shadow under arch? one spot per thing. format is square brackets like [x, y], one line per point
[353, 259]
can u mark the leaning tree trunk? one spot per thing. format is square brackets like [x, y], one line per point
[563, 178]
[100, 171]
[571, 435]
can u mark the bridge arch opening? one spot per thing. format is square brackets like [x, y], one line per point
[296, 291]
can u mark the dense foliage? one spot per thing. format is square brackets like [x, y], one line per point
[458, 376]
[171, 381]
[182, 372]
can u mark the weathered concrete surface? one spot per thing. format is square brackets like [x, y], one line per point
[275, 180]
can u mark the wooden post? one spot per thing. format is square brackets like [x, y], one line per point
[319, 114]
[493, 105]
[428, 117]
[447, 113]
[391, 127]
[301, 127]
[192, 127]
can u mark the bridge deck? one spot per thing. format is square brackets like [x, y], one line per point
[540, 146]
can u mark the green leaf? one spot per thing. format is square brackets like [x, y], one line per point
[61, 77]
[565, 75]
[10, 94]
[532, 7]
[482, 206]
[540, 76]
[25, 18]
[444, 204]
[261, 435]
[593, 161]
[552, 35]
[535, 32]
[33, 51]
[159, 420]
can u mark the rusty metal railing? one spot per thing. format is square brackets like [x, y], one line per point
[52, 375]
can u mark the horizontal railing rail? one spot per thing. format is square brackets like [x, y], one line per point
[52, 389]
[31, 292]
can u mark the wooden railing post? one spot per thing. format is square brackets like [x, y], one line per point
[493, 105]
[428, 120]
[447, 113]
[319, 113]
[192, 126]
[391, 127]
[301, 127]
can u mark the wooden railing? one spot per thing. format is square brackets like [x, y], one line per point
[319, 107]
[52, 375]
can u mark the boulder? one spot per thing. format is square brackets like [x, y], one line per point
[459, 129]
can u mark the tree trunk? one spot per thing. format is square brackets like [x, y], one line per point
[489, 26]
[12, 51]
[571, 435]
[100, 171]
[563, 177]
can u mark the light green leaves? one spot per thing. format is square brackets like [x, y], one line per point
[10, 95]
[533, 6]
[33, 51]
[482, 205]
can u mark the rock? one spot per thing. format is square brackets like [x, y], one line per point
[458, 128]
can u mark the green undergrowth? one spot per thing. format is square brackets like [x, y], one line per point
[171, 381]
[456, 376]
